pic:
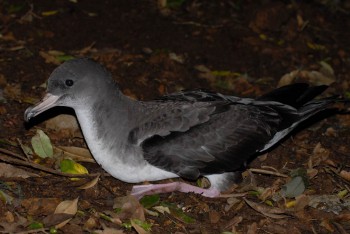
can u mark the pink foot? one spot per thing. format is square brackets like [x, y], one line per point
[141, 190]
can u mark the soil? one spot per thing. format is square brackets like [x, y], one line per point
[234, 47]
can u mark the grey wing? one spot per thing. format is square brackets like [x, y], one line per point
[221, 144]
[164, 118]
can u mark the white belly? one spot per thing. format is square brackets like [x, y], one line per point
[132, 171]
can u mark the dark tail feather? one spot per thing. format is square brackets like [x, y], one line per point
[316, 106]
[295, 95]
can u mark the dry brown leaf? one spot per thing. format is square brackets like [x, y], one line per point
[77, 154]
[231, 202]
[214, 216]
[311, 173]
[90, 223]
[66, 207]
[288, 78]
[321, 77]
[90, 184]
[272, 212]
[319, 155]
[54, 219]
[345, 175]
[252, 228]
[40, 206]
[66, 125]
[234, 223]
[7, 171]
[49, 58]
[130, 208]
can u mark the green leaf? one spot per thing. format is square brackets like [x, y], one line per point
[302, 173]
[65, 57]
[293, 188]
[42, 145]
[178, 213]
[149, 201]
[53, 230]
[127, 225]
[69, 166]
[146, 226]
[35, 225]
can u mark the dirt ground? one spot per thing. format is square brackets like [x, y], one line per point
[153, 48]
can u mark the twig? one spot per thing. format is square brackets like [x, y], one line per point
[266, 172]
[7, 152]
[5, 158]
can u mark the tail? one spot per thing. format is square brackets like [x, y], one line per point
[295, 95]
[301, 97]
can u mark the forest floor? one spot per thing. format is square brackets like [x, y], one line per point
[152, 48]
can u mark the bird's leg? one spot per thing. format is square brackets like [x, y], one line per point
[141, 190]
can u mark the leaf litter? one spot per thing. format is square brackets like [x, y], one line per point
[239, 79]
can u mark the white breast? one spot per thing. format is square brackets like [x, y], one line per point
[111, 161]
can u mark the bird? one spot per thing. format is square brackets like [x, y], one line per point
[188, 134]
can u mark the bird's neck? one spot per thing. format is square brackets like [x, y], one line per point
[106, 122]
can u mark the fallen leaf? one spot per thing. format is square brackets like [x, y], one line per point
[69, 166]
[75, 153]
[214, 216]
[64, 124]
[129, 207]
[345, 175]
[149, 201]
[293, 188]
[42, 145]
[275, 213]
[7, 170]
[40, 206]
[177, 58]
[90, 223]
[252, 228]
[141, 227]
[54, 219]
[90, 184]
[162, 209]
[49, 58]
[69, 207]
[178, 213]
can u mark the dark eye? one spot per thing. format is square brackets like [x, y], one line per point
[69, 82]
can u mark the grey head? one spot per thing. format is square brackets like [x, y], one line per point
[74, 84]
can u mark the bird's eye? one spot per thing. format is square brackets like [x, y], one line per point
[69, 83]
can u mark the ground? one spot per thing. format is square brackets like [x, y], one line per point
[153, 48]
